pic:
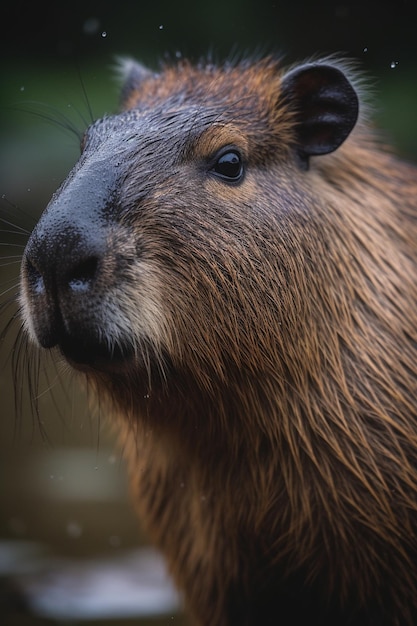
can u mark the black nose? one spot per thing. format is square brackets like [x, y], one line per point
[63, 257]
[82, 275]
[66, 246]
[51, 270]
[60, 271]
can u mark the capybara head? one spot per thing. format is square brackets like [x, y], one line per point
[232, 262]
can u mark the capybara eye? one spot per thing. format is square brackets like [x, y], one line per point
[229, 166]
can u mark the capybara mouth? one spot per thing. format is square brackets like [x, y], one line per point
[82, 353]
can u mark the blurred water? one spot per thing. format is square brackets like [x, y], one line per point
[132, 584]
[73, 555]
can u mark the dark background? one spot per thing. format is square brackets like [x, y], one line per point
[62, 485]
[57, 60]
[59, 32]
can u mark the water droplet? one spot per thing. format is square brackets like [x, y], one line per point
[74, 530]
[393, 64]
[104, 34]
[365, 49]
[178, 54]
[28, 189]
[22, 88]
[161, 27]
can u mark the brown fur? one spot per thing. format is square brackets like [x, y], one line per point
[269, 410]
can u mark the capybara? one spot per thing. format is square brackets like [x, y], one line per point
[232, 263]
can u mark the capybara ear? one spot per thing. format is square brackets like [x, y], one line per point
[325, 104]
[131, 74]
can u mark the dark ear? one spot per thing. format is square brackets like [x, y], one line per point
[325, 105]
[131, 74]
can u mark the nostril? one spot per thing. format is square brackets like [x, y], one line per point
[34, 278]
[83, 274]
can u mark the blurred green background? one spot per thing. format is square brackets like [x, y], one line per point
[57, 61]
[63, 488]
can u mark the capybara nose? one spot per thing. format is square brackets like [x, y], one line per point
[61, 260]
[82, 275]
[64, 255]
[70, 273]
[60, 270]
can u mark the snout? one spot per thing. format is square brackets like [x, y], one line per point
[93, 283]
[60, 277]
[72, 269]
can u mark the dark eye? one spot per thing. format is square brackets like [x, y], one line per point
[229, 166]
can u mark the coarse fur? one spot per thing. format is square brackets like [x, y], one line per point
[257, 341]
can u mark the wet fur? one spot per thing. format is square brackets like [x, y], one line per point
[269, 416]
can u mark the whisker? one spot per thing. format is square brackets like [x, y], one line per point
[18, 229]
[51, 384]
[13, 208]
[14, 286]
[51, 115]
[20, 232]
[17, 261]
[27, 364]
[4, 306]
[15, 234]
[86, 98]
